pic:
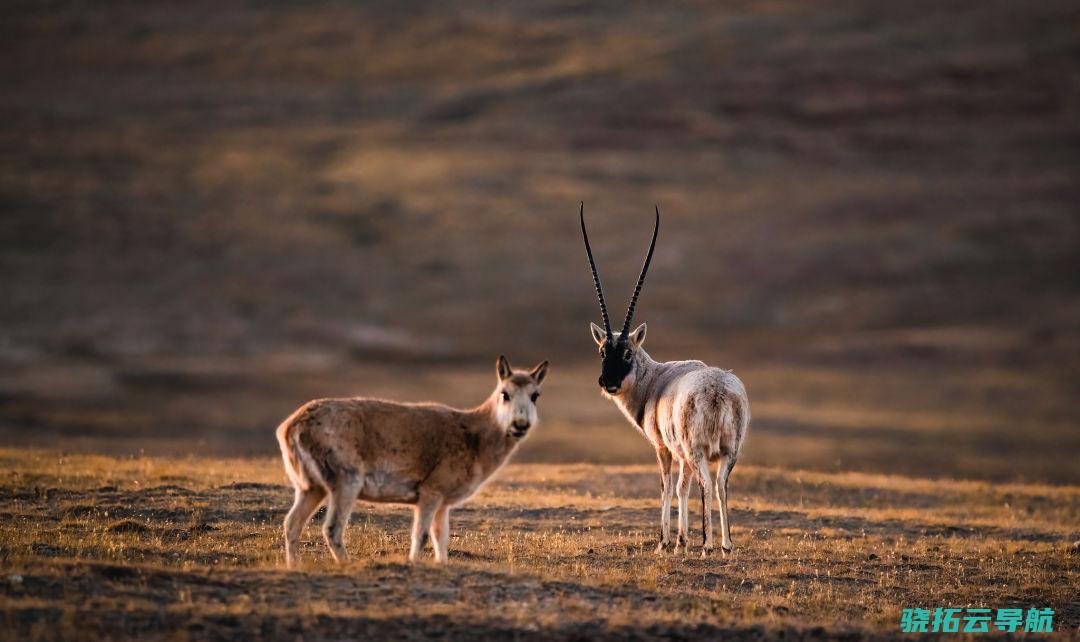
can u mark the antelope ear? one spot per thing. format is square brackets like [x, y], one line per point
[637, 337]
[502, 368]
[539, 372]
[598, 334]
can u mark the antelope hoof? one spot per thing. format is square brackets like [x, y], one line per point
[726, 549]
[661, 548]
[707, 550]
[681, 544]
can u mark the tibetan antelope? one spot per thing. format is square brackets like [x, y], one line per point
[689, 412]
[425, 454]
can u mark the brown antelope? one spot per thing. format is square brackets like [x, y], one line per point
[689, 412]
[425, 454]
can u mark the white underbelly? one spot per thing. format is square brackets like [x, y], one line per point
[382, 486]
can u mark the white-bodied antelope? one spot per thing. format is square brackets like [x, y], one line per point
[425, 454]
[689, 412]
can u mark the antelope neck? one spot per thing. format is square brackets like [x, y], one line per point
[634, 398]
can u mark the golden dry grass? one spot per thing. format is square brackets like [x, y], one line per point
[97, 546]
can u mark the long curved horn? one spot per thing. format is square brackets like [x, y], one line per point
[641, 279]
[595, 274]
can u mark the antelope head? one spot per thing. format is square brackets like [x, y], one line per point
[618, 352]
[516, 396]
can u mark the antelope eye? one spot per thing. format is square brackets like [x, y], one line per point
[535, 396]
[505, 397]
[627, 356]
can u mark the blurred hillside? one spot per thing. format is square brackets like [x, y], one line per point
[214, 210]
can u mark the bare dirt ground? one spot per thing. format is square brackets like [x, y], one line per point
[96, 547]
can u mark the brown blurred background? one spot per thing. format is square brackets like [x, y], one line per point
[214, 211]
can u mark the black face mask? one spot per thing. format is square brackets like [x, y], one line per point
[618, 361]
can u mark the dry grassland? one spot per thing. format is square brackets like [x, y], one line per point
[98, 547]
